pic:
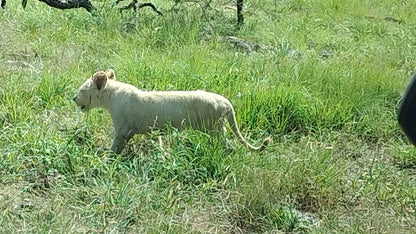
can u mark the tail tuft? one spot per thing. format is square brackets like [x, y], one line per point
[265, 143]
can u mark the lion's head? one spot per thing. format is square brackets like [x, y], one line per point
[88, 94]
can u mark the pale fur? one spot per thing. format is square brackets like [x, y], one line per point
[135, 111]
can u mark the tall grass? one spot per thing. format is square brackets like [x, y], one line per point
[324, 84]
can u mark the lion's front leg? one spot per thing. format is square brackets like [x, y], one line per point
[118, 144]
[120, 141]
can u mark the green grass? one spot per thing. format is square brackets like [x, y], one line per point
[324, 85]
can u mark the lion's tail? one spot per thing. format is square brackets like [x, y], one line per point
[234, 127]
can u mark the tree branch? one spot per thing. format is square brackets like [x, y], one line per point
[137, 6]
[141, 5]
[87, 5]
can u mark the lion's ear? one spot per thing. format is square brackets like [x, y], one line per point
[100, 79]
[111, 74]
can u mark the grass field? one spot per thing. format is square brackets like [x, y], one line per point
[324, 83]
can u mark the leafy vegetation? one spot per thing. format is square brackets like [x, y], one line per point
[323, 80]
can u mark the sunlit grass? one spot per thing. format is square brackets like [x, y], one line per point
[324, 85]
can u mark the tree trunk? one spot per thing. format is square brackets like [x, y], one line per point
[240, 17]
[69, 4]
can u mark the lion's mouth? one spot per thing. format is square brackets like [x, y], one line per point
[83, 107]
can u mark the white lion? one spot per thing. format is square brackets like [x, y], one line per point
[135, 111]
